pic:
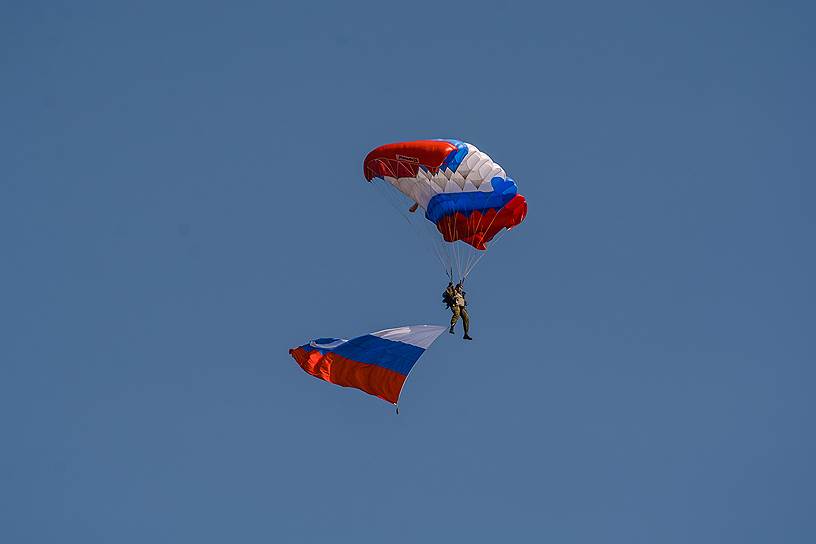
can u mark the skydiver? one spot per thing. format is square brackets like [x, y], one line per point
[454, 297]
[414, 207]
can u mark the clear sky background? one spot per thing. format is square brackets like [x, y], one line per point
[181, 201]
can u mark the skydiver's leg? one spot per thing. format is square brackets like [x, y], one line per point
[454, 317]
[466, 323]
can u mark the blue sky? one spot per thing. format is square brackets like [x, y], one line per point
[181, 201]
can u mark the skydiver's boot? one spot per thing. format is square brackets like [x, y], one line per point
[467, 337]
[451, 329]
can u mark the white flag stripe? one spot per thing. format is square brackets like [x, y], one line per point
[421, 336]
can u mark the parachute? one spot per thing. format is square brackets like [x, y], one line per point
[466, 196]
[377, 363]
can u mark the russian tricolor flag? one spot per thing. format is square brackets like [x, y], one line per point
[377, 363]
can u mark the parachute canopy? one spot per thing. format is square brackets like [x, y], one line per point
[463, 192]
[377, 363]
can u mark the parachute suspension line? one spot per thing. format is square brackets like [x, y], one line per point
[440, 246]
[451, 249]
[454, 247]
[472, 254]
[448, 249]
[496, 239]
[391, 197]
[463, 258]
[436, 249]
[492, 242]
[475, 257]
[459, 253]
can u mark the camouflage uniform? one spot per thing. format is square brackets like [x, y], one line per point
[458, 309]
